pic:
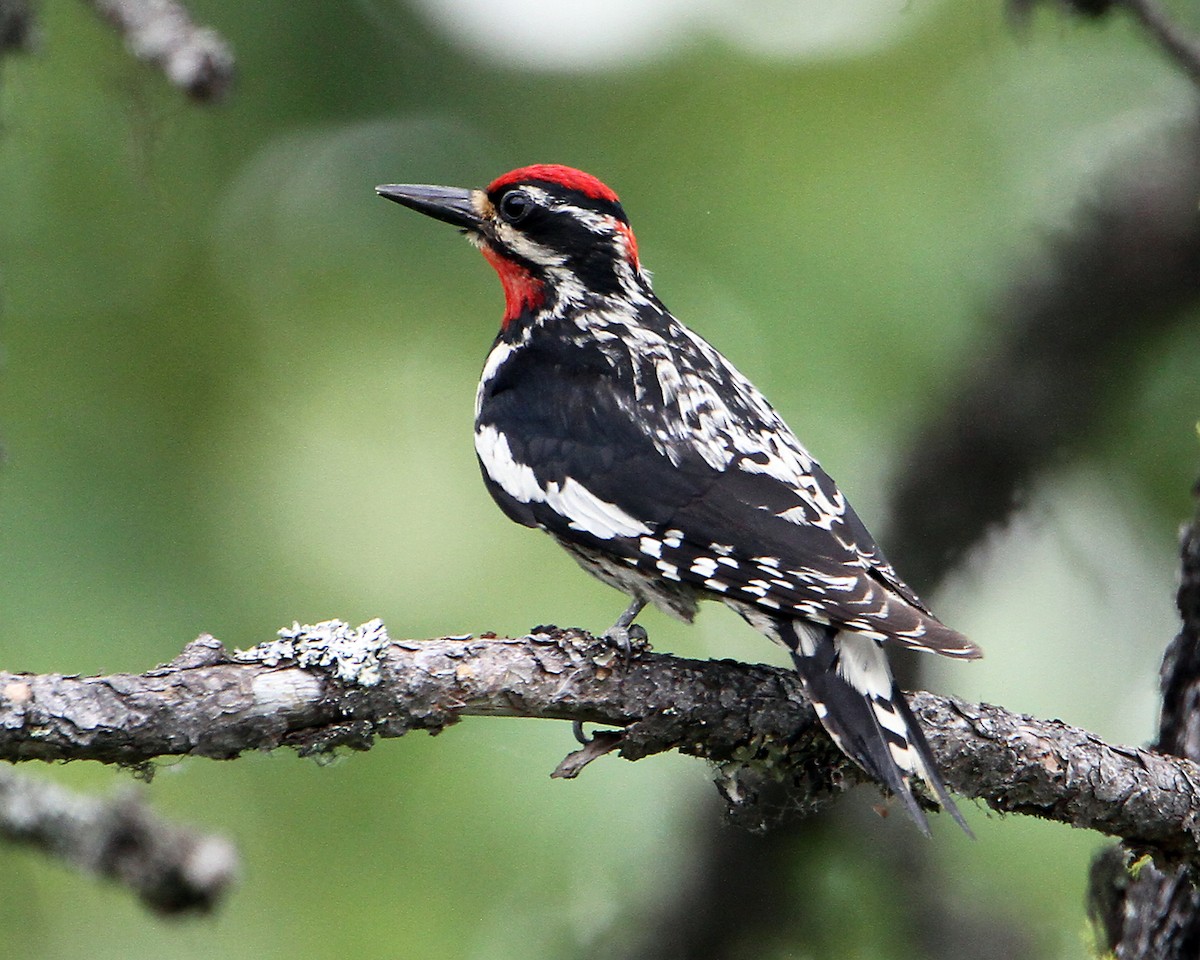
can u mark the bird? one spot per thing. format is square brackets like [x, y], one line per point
[664, 472]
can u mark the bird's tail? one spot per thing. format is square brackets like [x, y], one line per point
[847, 678]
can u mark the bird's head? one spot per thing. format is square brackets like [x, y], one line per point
[551, 232]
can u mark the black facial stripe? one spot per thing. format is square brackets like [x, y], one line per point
[557, 229]
[574, 198]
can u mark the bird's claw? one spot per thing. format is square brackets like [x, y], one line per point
[625, 633]
[626, 637]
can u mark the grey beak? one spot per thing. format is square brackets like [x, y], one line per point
[450, 204]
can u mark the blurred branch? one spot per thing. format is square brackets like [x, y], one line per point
[194, 58]
[172, 869]
[1173, 39]
[1177, 44]
[16, 26]
[1025, 399]
[317, 688]
[1126, 271]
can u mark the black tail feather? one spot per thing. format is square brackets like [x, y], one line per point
[866, 714]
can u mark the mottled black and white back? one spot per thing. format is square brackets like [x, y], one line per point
[665, 473]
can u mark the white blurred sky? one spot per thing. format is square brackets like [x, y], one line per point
[582, 35]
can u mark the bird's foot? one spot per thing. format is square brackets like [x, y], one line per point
[625, 633]
[626, 637]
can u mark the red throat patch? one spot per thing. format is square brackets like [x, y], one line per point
[522, 290]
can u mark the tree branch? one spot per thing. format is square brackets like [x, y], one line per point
[172, 869]
[318, 688]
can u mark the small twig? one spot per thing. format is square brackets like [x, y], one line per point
[172, 869]
[572, 764]
[194, 58]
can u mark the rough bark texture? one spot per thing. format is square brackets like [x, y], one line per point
[327, 686]
[1153, 913]
[1090, 293]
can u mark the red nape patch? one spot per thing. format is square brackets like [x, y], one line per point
[567, 177]
[522, 290]
[631, 250]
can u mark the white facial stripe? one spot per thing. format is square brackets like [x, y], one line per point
[540, 196]
[483, 206]
[516, 241]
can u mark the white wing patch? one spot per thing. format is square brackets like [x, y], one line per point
[669, 381]
[583, 509]
[587, 512]
[649, 545]
[704, 566]
[515, 479]
[495, 360]
[800, 515]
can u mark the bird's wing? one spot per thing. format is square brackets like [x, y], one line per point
[820, 572]
[560, 450]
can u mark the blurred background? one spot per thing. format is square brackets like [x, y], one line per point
[238, 388]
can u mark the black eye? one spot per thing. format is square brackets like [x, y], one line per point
[515, 206]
